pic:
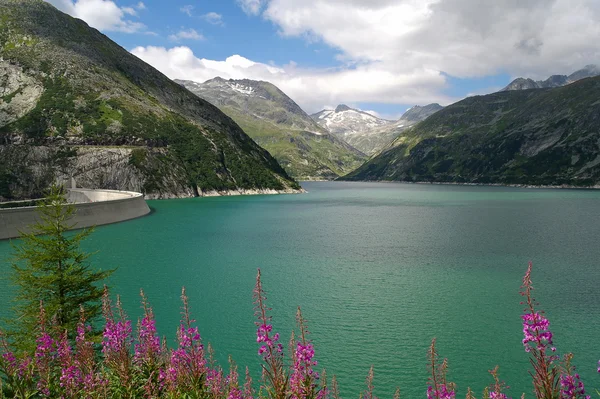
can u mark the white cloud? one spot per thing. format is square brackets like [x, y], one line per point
[252, 7]
[311, 88]
[187, 9]
[129, 10]
[464, 38]
[140, 5]
[104, 15]
[213, 18]
[186, 34]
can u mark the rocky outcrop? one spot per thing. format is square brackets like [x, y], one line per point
[19, 93]
[151, 171]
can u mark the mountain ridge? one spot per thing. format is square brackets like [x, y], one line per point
[546, 137]
[367, 132]
[588, 71]
[86, 90]
[304, 148]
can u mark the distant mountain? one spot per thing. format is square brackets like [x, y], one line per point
[376, 140]
[420, 113]
[305, 149]
[588, 71]
[532, 137]
[351, 125]
[367, 132]
[75, 104]
[345, 122]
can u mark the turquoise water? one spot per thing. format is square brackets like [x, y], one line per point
[378, 269]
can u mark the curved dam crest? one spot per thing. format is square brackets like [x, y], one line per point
[94, 208]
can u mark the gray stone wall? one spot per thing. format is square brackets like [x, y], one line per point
[94, 208]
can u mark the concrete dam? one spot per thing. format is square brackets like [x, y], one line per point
[93, 208]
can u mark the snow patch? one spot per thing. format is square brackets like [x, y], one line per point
[242, 89]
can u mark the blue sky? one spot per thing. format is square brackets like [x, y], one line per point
[378, 55]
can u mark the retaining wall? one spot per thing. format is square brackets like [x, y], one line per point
[94, 208]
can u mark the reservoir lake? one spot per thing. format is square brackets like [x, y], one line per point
[379, 269]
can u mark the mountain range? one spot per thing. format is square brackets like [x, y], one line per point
[588, 71]
[526, 137]
[366, 132]
[274, 121]
[75, 104]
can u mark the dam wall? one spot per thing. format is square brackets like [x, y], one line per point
[94, 208]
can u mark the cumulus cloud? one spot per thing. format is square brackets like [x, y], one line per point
[311, 88]
[103, 15]
[213, 18]
[187, 9]
[252, 7]
[402, 51]
[464, 38]
[186, 34]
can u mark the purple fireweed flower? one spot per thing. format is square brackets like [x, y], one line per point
[271, 351]
[24, 370]
[271, 345]
[45, 354]
[599, 366]
[148, 347]
[71, 380]
[84, 349]
[117, 338]
[495, 390]
[442, 392]
[571, 387]
[188, 362]
[63, 350]
[536, 332]
[303, 377]
[10, 361]
[215, 382]
[45, 346]
[248, 390]
[438, 387]
[189, 356]
[234, 391]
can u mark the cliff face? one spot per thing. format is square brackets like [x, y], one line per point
[138, 169]
[66, 87]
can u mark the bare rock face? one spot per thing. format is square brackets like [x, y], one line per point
[146, 170]
[19, 93]
[140, 170]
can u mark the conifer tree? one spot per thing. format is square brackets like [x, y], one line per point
[50, 267]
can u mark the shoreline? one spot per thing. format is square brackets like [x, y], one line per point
[225, 193]
[563, 186]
